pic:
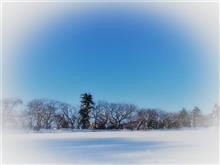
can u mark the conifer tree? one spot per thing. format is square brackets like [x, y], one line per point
[184, 118]
[196, 117]
[86, 105]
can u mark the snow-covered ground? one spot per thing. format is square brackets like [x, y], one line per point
[111, 147]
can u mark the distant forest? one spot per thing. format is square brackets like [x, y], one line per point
[50, 114]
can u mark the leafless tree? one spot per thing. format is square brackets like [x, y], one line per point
[46, 113]
[41, 113]
[100, 115]
[70, 114]
[119, 114]
[142, 118]
[147, 119]
[170, 120]
[10, 115]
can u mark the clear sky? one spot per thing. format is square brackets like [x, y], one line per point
[118, 55]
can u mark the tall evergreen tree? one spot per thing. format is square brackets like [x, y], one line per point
[196, 117]
[215, 115]
[184, 118]
[86, 105]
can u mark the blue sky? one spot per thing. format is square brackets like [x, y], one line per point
[118, 55]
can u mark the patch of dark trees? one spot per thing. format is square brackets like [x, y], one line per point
[50, 114]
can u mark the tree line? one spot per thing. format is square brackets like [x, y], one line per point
[50, 114]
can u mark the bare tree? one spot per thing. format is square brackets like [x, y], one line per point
[131, 122]
[70, 114]
[41, 113]
[100, 115]
[11, 117]
[152, 122]
[119, 114]
[147, 119]
[60, 121]
[45, 113]
[142, 117]
[170, 120]
[96, 114]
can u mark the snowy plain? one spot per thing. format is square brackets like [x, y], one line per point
[113, 147]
